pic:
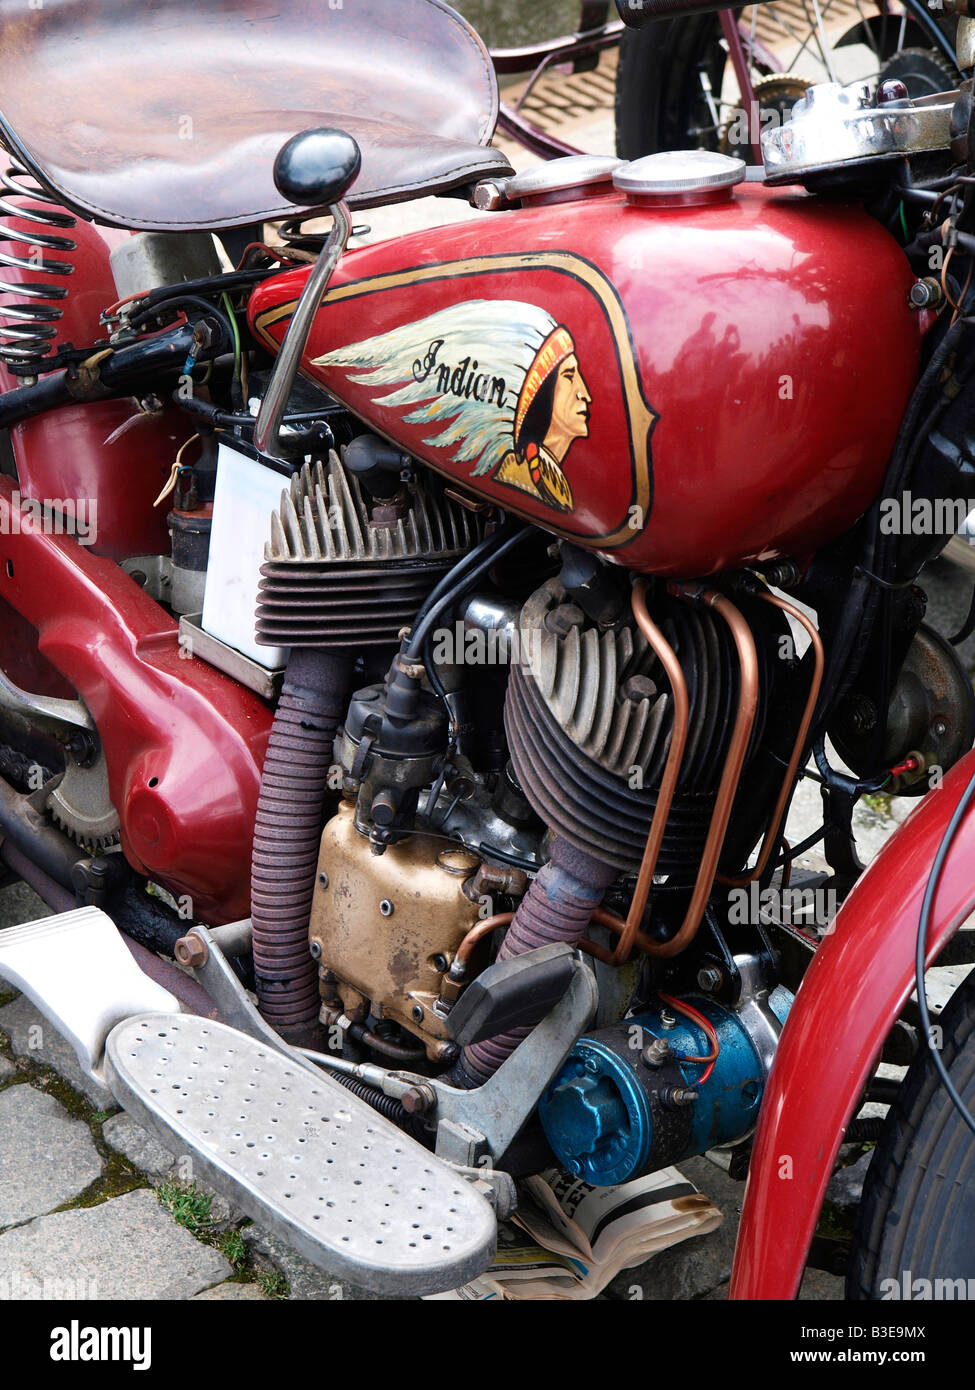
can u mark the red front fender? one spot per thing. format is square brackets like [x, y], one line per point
[854, 989]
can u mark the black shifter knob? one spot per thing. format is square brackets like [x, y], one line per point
[317, 167]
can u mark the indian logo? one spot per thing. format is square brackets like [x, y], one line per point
[498, 383]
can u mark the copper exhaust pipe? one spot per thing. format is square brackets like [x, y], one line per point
[772, 834]
[678, 740]
[734, 760]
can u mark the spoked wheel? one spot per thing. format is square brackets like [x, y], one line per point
[676, 86]
[916, 1222]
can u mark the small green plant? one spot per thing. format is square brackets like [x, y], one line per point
[187, 1205]
[232, 1248]
[877, 801]
[273, 1283]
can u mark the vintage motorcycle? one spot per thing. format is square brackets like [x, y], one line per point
[425, 640]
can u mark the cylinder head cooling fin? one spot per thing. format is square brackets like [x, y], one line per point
[336, 576]
[589, 715]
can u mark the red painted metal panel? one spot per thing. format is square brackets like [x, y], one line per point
[184, 744]
[714, 389]
[854, 989]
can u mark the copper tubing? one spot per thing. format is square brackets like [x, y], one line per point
[607, 919]
[734, 761]
[678, 740]
[788, 782]
[490, 924]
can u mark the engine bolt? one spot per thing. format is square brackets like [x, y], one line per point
[417, 1013]
[656, 1053]
[190, 951]
[925, 294]
[891, 90]
[667, 1019]
[636, 689]
[323, 880]
[709, 978]
[677, 1096]
[386, 908]
[563, 619]
[418, 1100]
[315, 950]
[440, 964]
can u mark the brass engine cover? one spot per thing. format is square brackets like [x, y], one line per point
[386, 954]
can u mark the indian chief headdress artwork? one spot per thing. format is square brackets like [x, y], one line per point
[498, 382]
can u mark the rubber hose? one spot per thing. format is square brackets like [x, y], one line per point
[557, 907]
[287, 834]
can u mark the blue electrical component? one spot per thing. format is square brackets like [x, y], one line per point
[619, 1106]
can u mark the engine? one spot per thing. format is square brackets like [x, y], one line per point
[497, 766]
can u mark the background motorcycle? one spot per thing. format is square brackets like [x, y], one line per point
[615, 786]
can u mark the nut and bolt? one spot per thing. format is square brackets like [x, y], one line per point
[667, 1019]
[418, 1100]
[315, 950]
[656, 1052]
[386, 908]
[678, 1096]
[440, 963]
[636, 689]
[891, 90]
[191, 952]
[563, 619]
[416, 1013]
[323, 880]
[709, 978]
[925, 294]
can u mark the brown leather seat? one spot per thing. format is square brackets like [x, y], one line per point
[167, 114]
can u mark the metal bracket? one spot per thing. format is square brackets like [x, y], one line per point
[64, 719]
[474, 1128]
[495, 1112]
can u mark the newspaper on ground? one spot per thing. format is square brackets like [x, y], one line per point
[568, 1240]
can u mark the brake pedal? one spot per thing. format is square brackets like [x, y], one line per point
[300, 1154]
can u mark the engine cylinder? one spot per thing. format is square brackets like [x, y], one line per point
[340, 574]
[589, 715]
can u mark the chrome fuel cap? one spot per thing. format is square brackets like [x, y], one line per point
[680, 174]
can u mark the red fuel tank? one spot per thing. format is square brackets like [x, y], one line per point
[682, 388]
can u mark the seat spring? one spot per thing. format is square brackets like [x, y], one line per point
[28, 329]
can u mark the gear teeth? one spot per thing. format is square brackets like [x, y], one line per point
[82, 838]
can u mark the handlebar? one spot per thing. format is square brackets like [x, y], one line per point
[636, 14]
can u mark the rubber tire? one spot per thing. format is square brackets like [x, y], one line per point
[657, 83]
[917, 1213]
